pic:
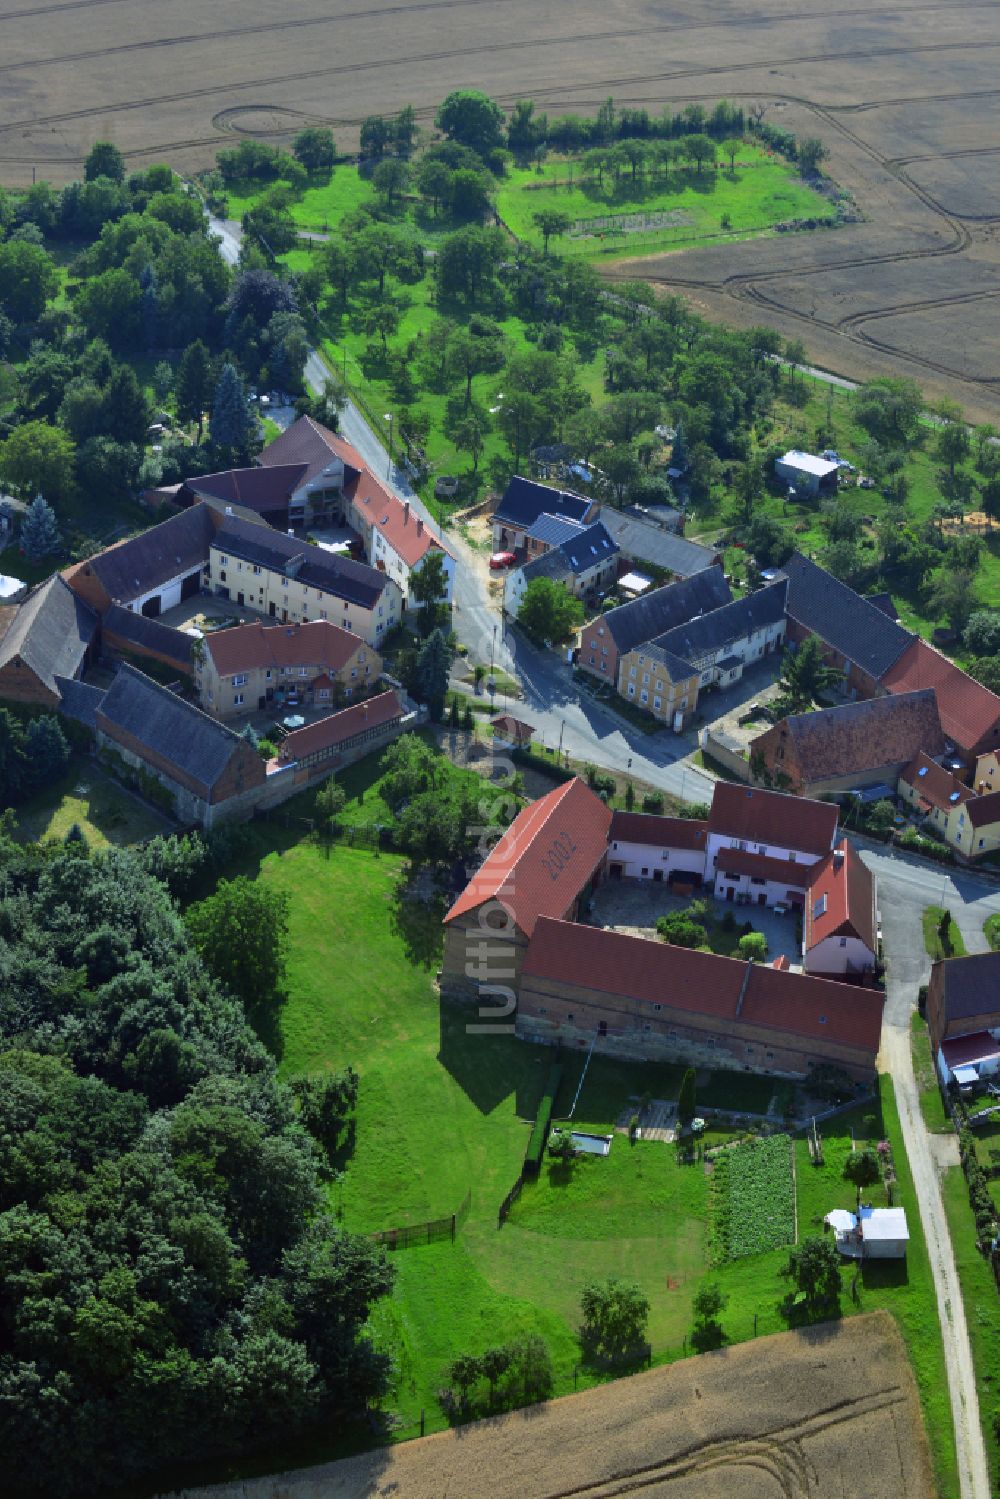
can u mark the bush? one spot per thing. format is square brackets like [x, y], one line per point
[991, 927]
[753, 947]
[543, 1121]
[653, 802]
[680, 931]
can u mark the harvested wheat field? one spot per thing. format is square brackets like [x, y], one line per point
[900, 94]
[831, 1413]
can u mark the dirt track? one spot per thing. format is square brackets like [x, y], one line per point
[898, 94]
[832, 1414]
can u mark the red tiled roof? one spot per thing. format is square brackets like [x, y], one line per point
[309, 442]
[847, 884]
[782, 871]
[968, 710]
[317, 642]
[937, 786]
[392, 518]
[958, 1051]
[544, 859]
[984, 810]
[510, 727]
[687, 833]
[759, 816]
[704, 983]
[327, 732]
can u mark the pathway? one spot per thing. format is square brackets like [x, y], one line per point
[907, 967]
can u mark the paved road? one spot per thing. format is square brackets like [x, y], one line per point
[904, 890]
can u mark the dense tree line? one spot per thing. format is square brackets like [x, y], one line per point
[171, 1284]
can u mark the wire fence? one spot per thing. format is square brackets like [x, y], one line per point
[430, 1232]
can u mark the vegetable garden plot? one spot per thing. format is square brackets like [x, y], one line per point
[753, 1198]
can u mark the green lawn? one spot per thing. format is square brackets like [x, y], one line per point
[657, 211]
[982, 1304]
[88, 796]
[950, 946]
[931, 1103]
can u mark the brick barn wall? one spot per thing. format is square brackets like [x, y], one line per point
[19, 684]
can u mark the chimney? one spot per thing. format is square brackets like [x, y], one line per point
[229, 509]
[406, 511]
[420, 527]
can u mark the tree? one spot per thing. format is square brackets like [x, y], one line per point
[433, 667]
[104, 160]
[862, 1168]
[241, 933]
[889, 409]
[953, 595]
[314, 148]
[429, 589]
[700, 149]
[45, 749]
[615, 1313]
[468, 434]
[330, 802]
[404, 129]
[389, 180]
[194, 384]
[109, 307]
[28, 279]
[548, 613]
[986, 669]
[805, 675]
[731, 149]
[37, 457]
[375, 136]
[467, 263]
[752, 947]
[124, 408]
[551, 224]
[814, 1266]
[811, 151]
[686, 1098]
[326, 1100]
[982, 633]
[232, 427]
[471, 118]
[434, 179]
[953, 444]
[478, 349]
[39, 532]
[846, 561]
[709, 1302]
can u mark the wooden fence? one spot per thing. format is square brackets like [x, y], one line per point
[424, 1233]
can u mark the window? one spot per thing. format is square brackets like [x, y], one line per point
[659, 686]
[657, 1008]
[284, 582]
[631, 671]
[647, 1026]
[843, 941]
[353, 672]
[792, 856]
[645, 873]
[600, 628]
[256, 572]
[268, 674]
[604, 652]
[542, 1010]
[322, 614]
[762, 848]
[602, 1027]
[644, 695]
[645, 679]
[615, 846]
[631, 689]
[592, 662]
[240, 680]
[819, 908]
[657, 702]
[757, 879]
[239, 567]
[238, 699]
[224, 560]
[769, 1056]
[222, 577]
[303, 671]
[569, 1017]
[324, 692]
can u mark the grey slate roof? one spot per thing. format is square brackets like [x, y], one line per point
[661, 609]
[971, 985]
[524, 501]
[259, 489]
[308, 442]
[78, 701]
[714, 631]
[149, 634]
[176, 546]
[588, 548]
[551, 564]
[50, 632]
[175, 729]
[553, 529]
[337, 575]
[646, 543]
[852, 625]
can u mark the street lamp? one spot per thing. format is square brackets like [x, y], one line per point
[389, 417]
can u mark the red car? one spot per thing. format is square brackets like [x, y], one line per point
[500, 560]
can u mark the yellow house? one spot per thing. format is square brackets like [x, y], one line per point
[970, 824]
[661, 683]
[986, 776]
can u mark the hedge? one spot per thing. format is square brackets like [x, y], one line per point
[543, 1121]
[540, 762]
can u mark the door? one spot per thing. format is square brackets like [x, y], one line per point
[284, 616]
[271, 610]
[240, 599]
[730, 892]
[151, 607]
[261, 703]
[762, 900]
[616, 871]
[657, 876]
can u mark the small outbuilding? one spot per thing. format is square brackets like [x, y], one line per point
[510, 732]
[871, 1234]
[806, 473]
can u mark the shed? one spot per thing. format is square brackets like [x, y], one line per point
[511, 732]
[872, 1234]
[806, 472]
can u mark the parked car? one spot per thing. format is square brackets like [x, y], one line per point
[500, 560]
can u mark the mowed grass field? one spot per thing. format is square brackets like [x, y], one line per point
[88, 797]
[444, 1111]
[718, 203]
